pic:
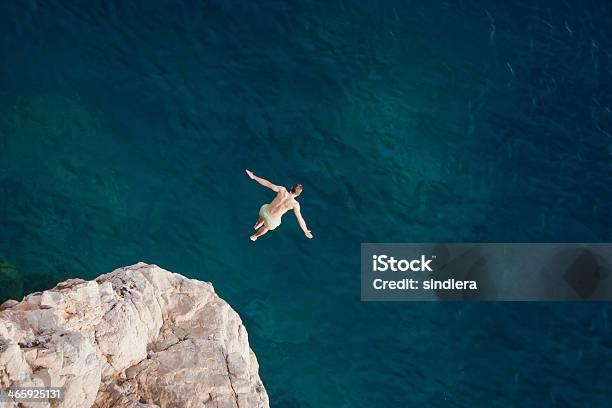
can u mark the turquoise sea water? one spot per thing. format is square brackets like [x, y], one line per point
[125, 129]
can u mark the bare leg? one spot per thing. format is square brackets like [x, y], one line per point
[259, 223]
[259, 233]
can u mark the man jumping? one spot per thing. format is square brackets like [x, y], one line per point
[270, 214]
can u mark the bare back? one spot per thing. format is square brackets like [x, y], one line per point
[282, 203]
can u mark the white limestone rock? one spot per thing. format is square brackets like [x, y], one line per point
[137, 337]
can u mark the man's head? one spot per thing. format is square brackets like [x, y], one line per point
[296, 190]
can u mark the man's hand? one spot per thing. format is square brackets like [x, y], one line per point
[250, 174]
[308, 234]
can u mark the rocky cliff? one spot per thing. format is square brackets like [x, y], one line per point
[137, 337]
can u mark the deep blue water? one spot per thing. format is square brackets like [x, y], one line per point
[125, 129]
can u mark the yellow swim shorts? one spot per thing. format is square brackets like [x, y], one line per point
[269, 221]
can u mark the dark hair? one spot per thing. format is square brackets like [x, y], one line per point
[295, 187]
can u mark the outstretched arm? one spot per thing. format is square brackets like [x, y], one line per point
[298, 215]
[263, 182]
